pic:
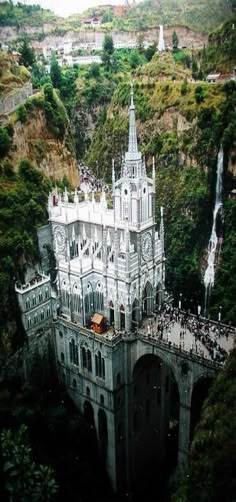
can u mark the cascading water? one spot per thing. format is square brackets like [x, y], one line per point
[161, 43]
[209, 276]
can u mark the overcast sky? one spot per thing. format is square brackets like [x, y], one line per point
[67, 7]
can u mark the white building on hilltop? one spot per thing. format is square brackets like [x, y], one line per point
[111, 261]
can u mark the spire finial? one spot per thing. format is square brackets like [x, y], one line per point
[113, 174]
[133, 152]
[153, 171]
[132, 95]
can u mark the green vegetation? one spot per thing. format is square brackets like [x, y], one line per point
[58, 436]
[177, 120]
[26, 54]
[184, 194]
[210, 474]
[24, 479]
[220, 54]
[22, 208]
[12, 76]
[21, 15]
[224, 292]
[5, 141]
[175, 40]
[54, 112]
[108, 49]
[202, 16]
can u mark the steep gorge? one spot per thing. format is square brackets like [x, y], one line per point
[181, 123]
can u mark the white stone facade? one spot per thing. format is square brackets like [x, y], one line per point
[111, 261]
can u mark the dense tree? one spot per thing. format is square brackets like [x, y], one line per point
[135, 58]
[107, 16]
[26, 52]
[108, 49]
[175, 40]
[5, 141]
[55, 72]
[150, 51]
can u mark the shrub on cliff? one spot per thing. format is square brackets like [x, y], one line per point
[210, 475]
[5, 141]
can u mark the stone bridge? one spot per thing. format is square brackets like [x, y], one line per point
[115, 377]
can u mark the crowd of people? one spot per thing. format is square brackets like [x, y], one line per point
[190, 333]
[88, 179]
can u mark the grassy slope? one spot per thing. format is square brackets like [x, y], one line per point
[221, 51]
[12, 76]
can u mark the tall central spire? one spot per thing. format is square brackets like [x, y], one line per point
[133, 153]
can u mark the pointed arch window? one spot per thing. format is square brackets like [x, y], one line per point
[86, 359]
[100, 365]
[73, 350]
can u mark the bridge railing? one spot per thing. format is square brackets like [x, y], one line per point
[172, 347]
[108, 338]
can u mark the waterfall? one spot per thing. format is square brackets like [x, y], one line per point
[209, 276]
[161, 43]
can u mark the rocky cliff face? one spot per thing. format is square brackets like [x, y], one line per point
[33, 140]
[187, 38]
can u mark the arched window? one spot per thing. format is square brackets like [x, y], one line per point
[42, 315]
[148, 300]
[46, 293]
[27, 303]
[40, 297]
[88, 391]
[122, 317]
[29, 322]
[34, 300]
[89, 361]
[73, 350]
[84, 357]
[35, 319]
[100, 365]
[48, 311]
[102, 399]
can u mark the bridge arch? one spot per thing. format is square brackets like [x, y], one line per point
[154, 421]
[89, 413]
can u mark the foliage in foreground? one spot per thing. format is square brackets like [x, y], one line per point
[59, 437]
[210, 475]
[24, 479]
